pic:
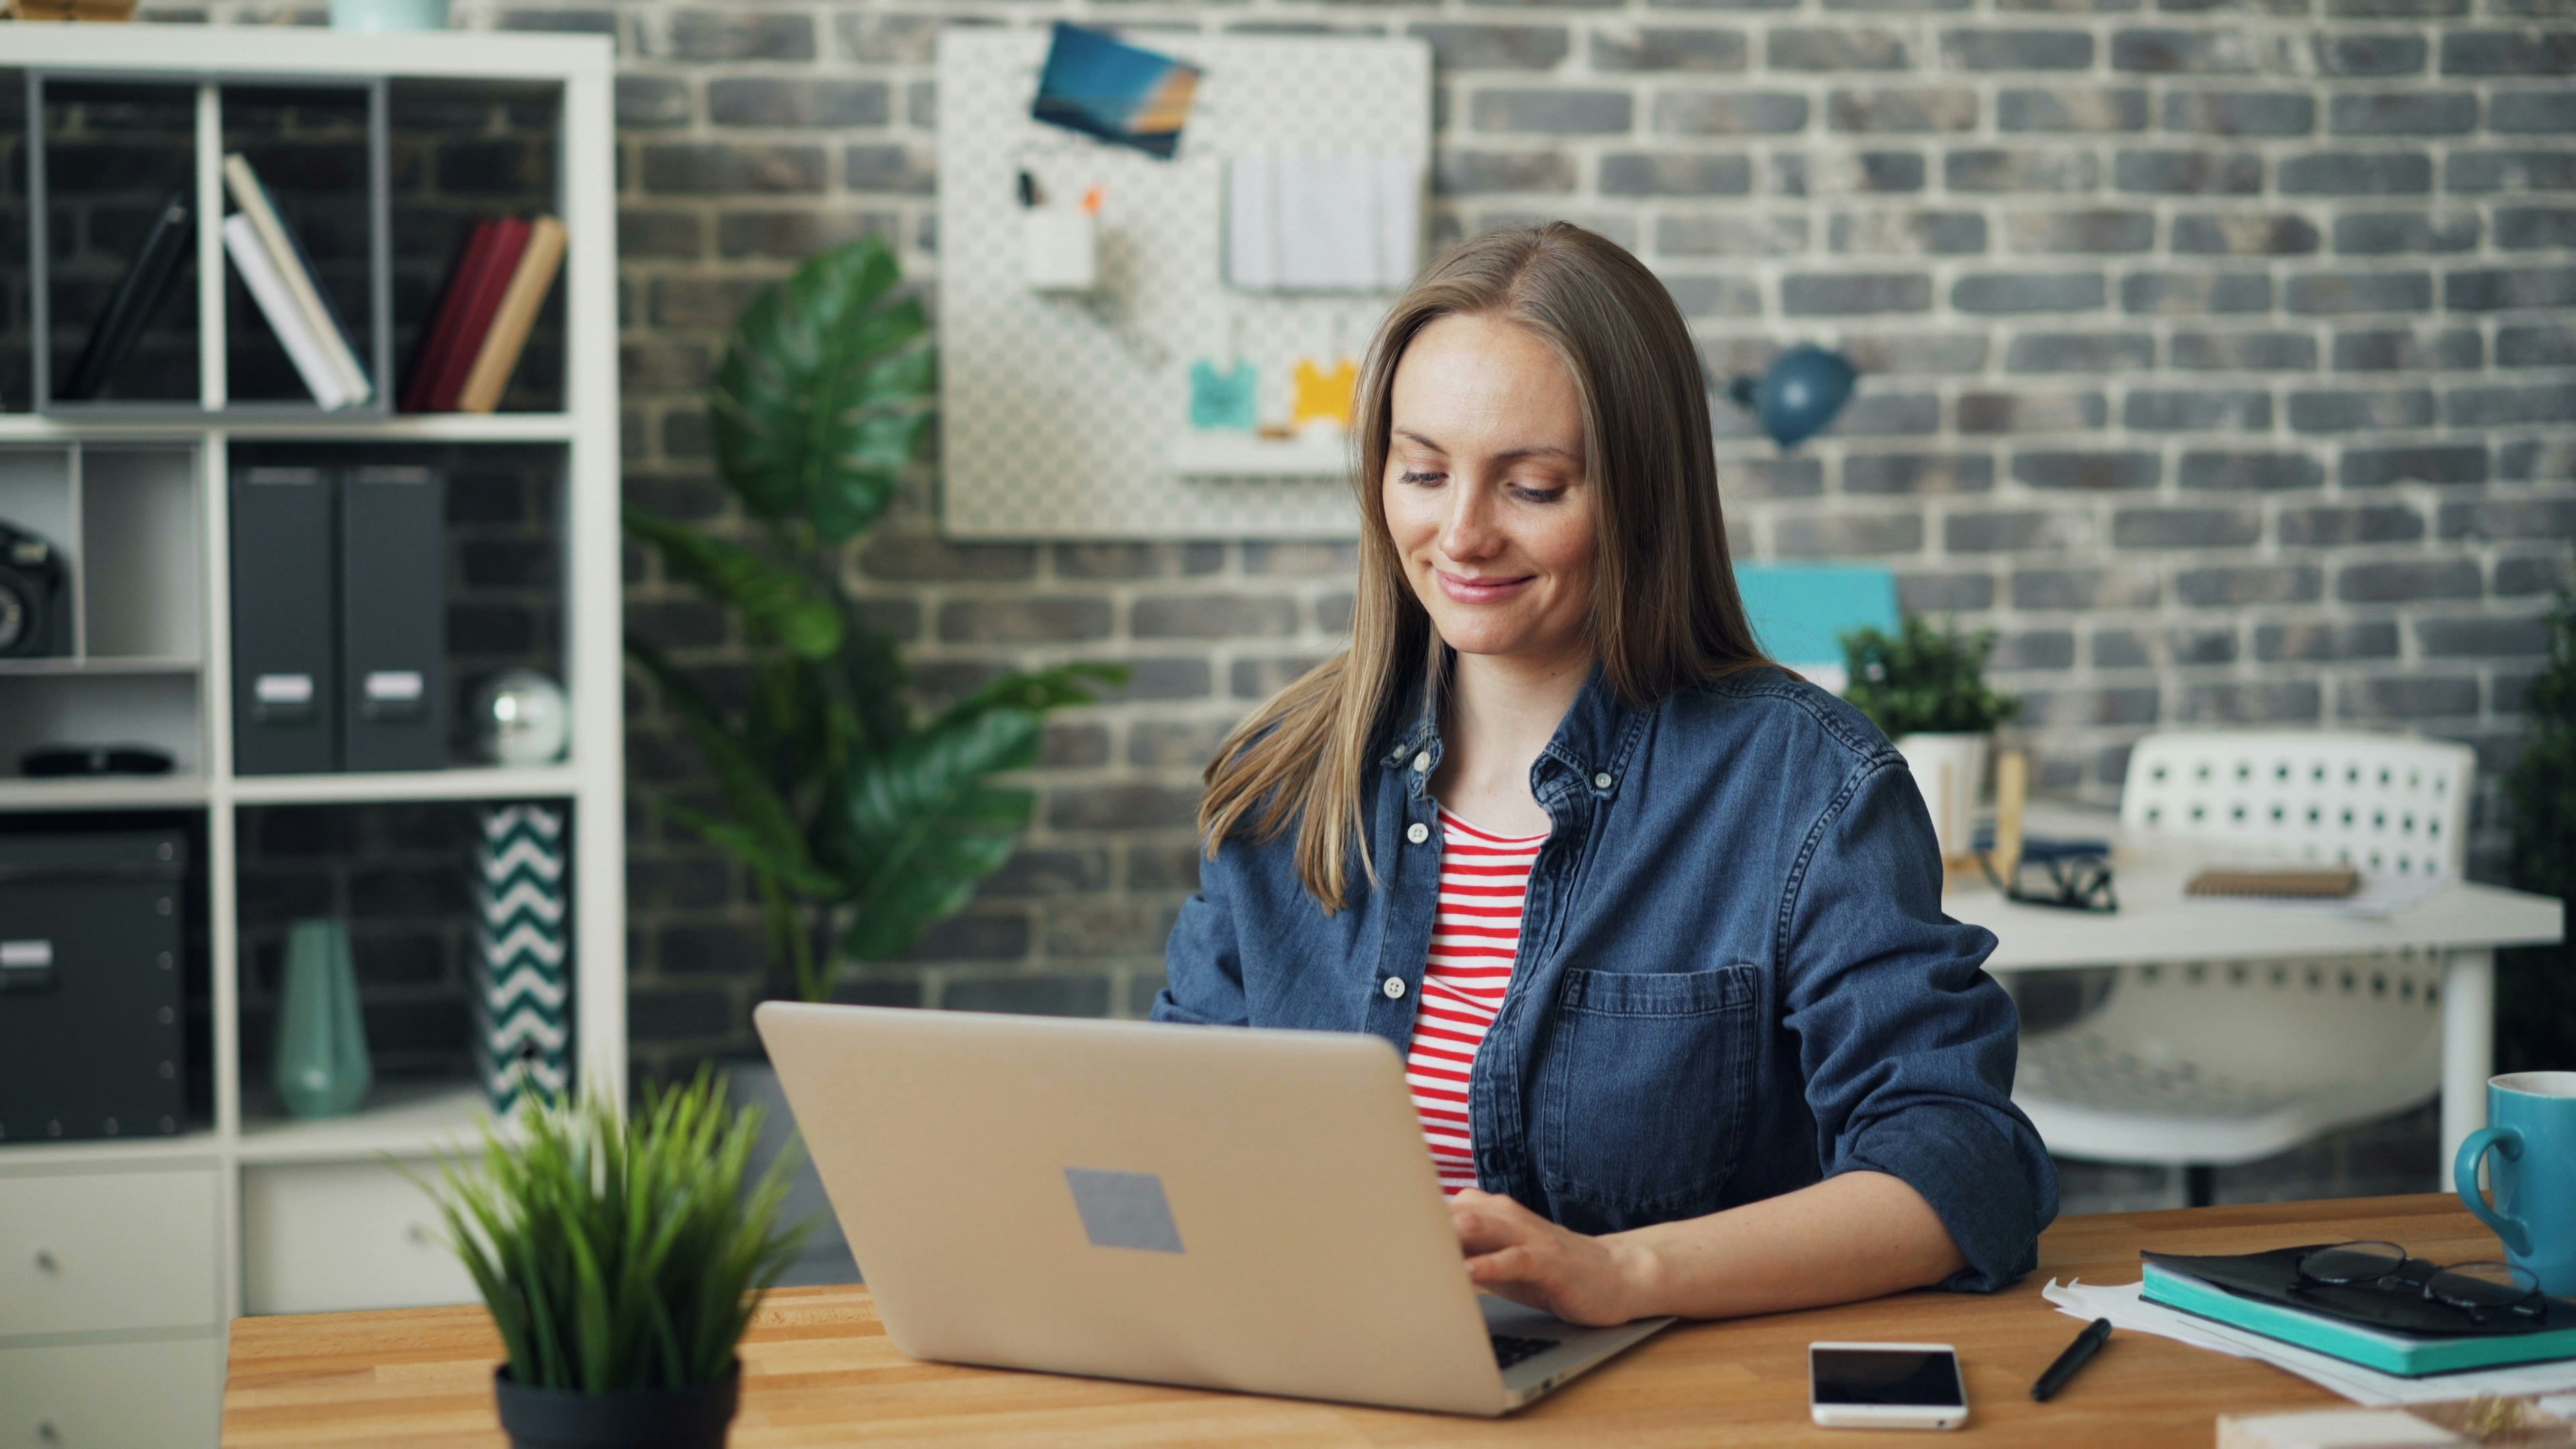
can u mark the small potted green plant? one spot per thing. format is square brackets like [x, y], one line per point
[1925, 687]
[621, 1260]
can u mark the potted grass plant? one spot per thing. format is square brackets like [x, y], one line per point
[621, 1260]
[1925, 686]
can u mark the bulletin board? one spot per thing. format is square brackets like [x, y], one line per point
[1059, 411]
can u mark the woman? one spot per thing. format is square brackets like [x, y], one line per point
[1656, 924]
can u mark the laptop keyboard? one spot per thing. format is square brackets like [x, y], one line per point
[1511, 1348]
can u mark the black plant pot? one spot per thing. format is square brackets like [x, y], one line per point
[692, 1418]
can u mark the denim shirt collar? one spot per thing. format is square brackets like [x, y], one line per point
[1588, 754]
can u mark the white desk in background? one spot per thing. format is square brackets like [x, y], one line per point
[2461, 926]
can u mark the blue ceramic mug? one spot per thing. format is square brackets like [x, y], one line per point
[2531, 1130]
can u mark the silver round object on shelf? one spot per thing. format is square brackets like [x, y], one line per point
[521, 718]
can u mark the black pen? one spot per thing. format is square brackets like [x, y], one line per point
[2077, 1355]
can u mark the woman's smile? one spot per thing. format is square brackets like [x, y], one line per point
[1486, 590]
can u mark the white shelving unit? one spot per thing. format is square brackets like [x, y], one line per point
[122, 1261]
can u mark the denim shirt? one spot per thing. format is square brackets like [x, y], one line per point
[1734, 976]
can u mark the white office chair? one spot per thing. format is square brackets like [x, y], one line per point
[2212, 1065]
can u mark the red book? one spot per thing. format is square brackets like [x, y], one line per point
[482, 290]
[440, 341]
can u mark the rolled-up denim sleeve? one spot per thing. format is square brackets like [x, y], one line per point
[1202, 967]
[1907, 1044]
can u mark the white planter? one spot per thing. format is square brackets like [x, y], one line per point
[1951, 772]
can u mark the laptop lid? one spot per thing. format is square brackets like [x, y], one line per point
[1229, 1208]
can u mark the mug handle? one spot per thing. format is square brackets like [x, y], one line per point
[2464, 1180]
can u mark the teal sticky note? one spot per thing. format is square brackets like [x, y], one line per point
[1223, 400]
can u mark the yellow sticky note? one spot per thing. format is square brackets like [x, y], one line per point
[1319, 396]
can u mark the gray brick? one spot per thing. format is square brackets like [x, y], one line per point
[1867, 173]
[2405, 698]
[1107, 928]
[792, 235]
[2197, 409]
[1854, 294]
[2486, 289]
[2547, 112]
[1913, 473]
[1945, 352]
[2035, 649]
[2243, 234]
[2016, 49]
[1715, 296]
[2119, 705]
[888, 168]
[1213, 616]
[2376, 467]
[1073, 745]
[2529, 460]
[1161, 679]
[2398, 581]
[924, 558]
[1456, 47]
[781, 101]
[2321, 642]
[2098, 231]
[2081, 352]
[1038, 871]
[2077, 108]
[1910, 232]
[2521, 227]
[2381, 54]
[2007, 412]
[2481, 638]
[2402, 113]
[740, 35]
[1552, 112]
[2119, 470]
[2356, 173]
[1262, 678]
[1885, 413]
[2406, 349]
[1474, 173]
[2085, 588]
[2390, 9]
[986, 935]
[1666, 48]
[1912, 109]
[1771, 477]
[1054, 995]
[2228, 701]
[882, 39]
[1815, 47]
[2517, 578]
[2018, 530]
[2236, 585]
[1334, 613]
[1730, 113]
[652, 100]
[2508, 52]
[671, 234]
[2488, 171]
[2201, 646]
[2026, 292]
[2194, 172]
[2119, 649]
[2385, 232]
[2243, 351]
[2229, 51]
[1299, 560]
[1676, 173]
[1944, 593]
[2345, 410]
[2542, 345]
[2250, 472]
[2181, 293]
[1024, 619]
[1136, 560]
[2186, 527]
[2001, 169]
[1122, 807]
[713, 169]
[2241, 113]
[1724, 235]
[2332, 293]
[2503, 405]
[1848, 536]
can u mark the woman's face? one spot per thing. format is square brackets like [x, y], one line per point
[1486, 500]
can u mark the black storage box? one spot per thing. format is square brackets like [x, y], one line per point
[93, 1030]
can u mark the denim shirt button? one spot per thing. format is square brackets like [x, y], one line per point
[1417, 832]
[1421, 762]
[1394, 988]
[1601, 781]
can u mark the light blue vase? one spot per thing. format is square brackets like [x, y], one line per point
[322, 1067]
[389, 14]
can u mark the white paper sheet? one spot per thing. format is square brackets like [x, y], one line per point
[1322, 223]
[2126, 1307]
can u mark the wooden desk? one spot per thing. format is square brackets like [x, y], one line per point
[818, 1369]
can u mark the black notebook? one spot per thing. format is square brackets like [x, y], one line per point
[139, 294]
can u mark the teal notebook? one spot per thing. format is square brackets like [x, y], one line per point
[2391, 1353]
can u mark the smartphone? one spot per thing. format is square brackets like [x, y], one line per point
[1885, 1386]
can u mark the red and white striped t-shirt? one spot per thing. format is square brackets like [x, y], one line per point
[1484, 878]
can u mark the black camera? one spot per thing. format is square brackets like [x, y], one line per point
[34, 619]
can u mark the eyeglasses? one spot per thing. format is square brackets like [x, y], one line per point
[2078, 873]
[2480, 1290]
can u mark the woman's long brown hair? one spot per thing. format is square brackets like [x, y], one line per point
[1665, 613]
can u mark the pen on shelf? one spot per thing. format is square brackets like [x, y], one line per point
[1028, 189]
[2077, 1355]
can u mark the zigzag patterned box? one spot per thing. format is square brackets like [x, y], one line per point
[522, 988]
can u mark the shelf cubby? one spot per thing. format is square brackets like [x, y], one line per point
[318, 148]
[105, 156]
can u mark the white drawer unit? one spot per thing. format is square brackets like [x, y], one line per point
[328, 1237]
[165, 1394]
[95, 1252]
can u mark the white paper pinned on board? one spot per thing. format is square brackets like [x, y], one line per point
[1322, 223]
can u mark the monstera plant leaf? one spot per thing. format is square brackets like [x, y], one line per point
[773, 599]
[824, 392]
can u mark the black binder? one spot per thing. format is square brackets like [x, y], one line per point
[285, 622]
[393, 619]
[137, 298]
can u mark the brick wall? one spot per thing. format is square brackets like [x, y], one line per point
[2217, 354]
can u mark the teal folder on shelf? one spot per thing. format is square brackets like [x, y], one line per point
[2390, 1353]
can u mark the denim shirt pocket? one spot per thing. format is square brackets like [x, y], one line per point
[1646, 1087]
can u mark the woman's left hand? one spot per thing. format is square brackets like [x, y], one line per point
[1527, 1259]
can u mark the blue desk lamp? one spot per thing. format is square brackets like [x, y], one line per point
[1799, 395]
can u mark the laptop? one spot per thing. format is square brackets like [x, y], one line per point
[1212, 1206]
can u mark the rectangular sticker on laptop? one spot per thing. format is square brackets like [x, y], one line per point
[1123, 1209]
